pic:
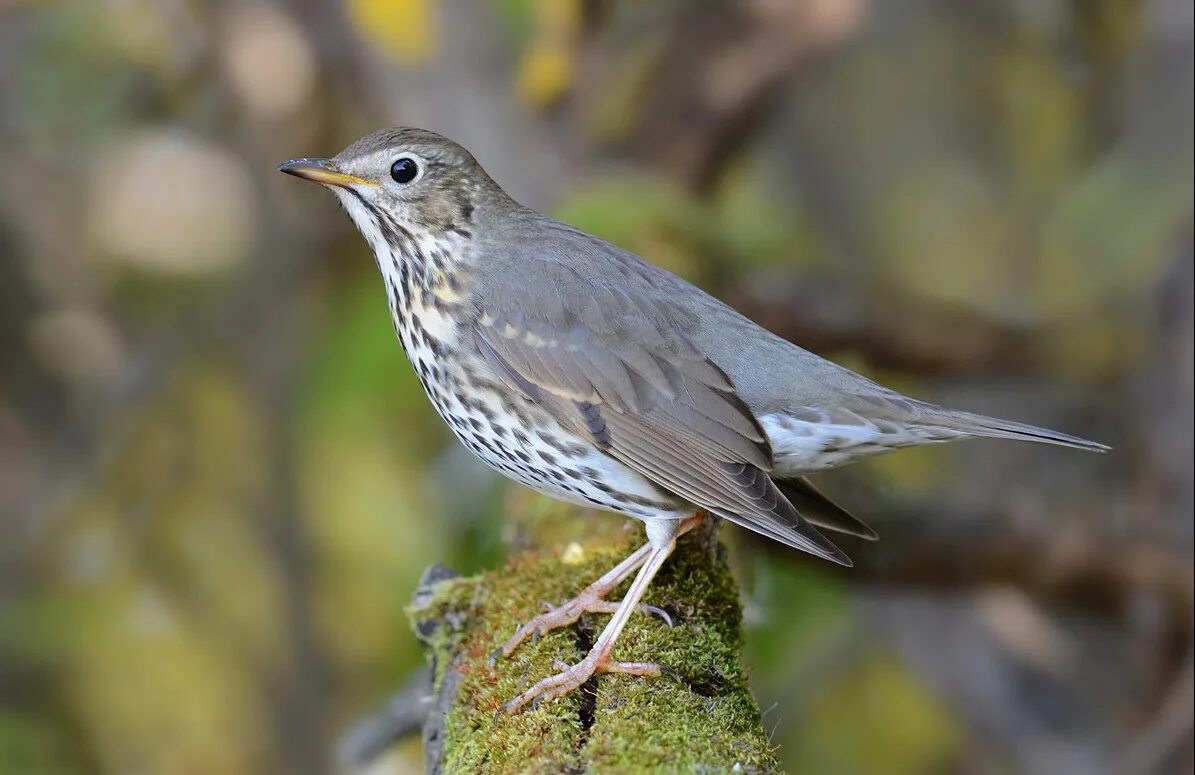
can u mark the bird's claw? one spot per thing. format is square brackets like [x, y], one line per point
[573, 677]
[657, 612]
[568, 613]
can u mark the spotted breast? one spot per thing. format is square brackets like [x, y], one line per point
[427, 297]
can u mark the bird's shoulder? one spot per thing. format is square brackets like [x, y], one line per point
[548, 271]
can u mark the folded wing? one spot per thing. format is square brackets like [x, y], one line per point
[642, 392]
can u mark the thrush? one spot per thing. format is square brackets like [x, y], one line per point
[586, 373]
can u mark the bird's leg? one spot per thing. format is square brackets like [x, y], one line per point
[591, 600]
[598, 658]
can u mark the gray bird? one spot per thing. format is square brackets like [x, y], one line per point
[588, 374]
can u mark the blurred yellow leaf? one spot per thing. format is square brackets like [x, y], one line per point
[401, 29]
[545, 73]
[547, 68]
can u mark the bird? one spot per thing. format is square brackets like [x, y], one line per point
[584, 372]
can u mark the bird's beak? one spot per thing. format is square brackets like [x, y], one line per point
[322, 171]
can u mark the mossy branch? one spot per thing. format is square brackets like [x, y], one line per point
[702, 718]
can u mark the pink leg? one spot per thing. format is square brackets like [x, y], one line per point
[598, 658]
[591, 599]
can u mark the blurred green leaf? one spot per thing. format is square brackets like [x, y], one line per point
[30, 746]
[904, 728]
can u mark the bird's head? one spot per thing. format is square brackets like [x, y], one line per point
[400, 182]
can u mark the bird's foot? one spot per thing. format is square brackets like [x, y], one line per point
[606, 607]
[573, 677]
[591, 600]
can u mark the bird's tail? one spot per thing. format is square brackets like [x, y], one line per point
[992, 427]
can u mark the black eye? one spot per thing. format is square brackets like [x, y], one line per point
[404, 170]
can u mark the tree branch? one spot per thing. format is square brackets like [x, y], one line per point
[700, 718]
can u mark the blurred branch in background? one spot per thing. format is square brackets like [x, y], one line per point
[720, 74]
[405, 713]
[214, 465]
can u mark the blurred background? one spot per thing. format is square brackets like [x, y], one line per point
[220, 481]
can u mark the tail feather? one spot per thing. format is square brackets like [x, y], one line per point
[991, 427]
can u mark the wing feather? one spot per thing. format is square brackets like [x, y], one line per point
[656, 404]
[821, 511]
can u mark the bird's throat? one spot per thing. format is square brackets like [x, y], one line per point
[426, 278]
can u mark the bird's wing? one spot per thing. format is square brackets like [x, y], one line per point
[820, 510]
[642, 392]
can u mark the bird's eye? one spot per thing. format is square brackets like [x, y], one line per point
[404, 170]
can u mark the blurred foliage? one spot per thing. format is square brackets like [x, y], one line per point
[740, 226]
[907, 729]
[402, 29]
[221, 481]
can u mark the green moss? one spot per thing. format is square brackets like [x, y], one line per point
[702, 719]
